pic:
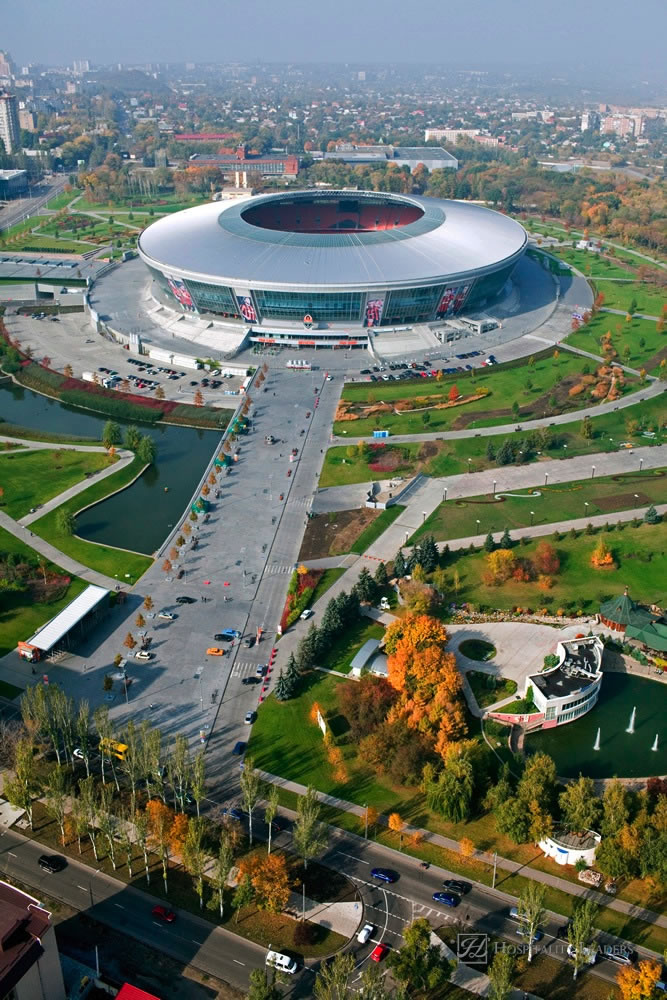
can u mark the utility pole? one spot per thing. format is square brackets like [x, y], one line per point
[495, 863]
[366, 823]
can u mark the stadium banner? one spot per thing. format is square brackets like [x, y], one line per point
[374, 309]
[181, 294]
[246, 308]
[452, 300]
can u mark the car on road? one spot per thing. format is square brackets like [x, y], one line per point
[78, 753]
[163, 913]
[215, 651]
[446, 898]
[523, 932]
[143, 654]
[239, 748]
[250, 718]
[620, 954]
[562, 931]
[249, 642]
[365, 933]
[384, 874]
[261, 670]
[379, 952]
[167, 615]
[186, 600]
[589, 954]
[305, 615]
[51, 863]
[455, 885]
[233, 813]
[231, 633]
[251, 680]
[221, 637]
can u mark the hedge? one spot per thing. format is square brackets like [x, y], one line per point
[122, 409]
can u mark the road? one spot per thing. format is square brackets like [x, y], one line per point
[24, 208]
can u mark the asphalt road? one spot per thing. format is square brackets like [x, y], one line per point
[23, 208]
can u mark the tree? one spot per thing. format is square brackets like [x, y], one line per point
[56, 798]
[260, 988]
[580, 932]
[65, 521]
[615, 809]
[506, 540]
[106, 822]
[194, 856]
[651, 516]
[111, 434]
[132, 438]
[371, 984]
[489, 544]
[453, 394]
[365, 587]
[129, 641]
[283, 689]
[333, 978]
[159, 392]
[500, 566]
[506, 453]
[419, 964]
[270, 880]
[270, 811]
[243, 896]
[586, 429]
[199, 399]
[381, 577]
[148, 603]
[532, 912]
[160, 822]
[147, 450]
[252, 788]
[177, 833]
[90, 808]
[198, 779]
[396, 824]
[638, 982]
[601, 557]
[68, 371]
[490, 451]
[222, 866]
[399, 565]
[309, 834]
[501, 973]
[19, 790]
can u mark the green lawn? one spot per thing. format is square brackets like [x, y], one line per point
[537, 388]
[489, 689]
[19, 616]
[327, 580]
[376, 528]
[561, 502]
[449, 458]
[591, 264]
[33, 477]
[102, 558]
[623, 334]
[29, 242]
[342, 651]
[62, 200]
[619, 295]
[640, 554]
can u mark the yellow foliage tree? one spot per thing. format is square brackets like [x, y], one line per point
[270, 880]
[638, 982]
[177, 833]
[396, 824]
[601, 556]
[499, 566]
[466, 847]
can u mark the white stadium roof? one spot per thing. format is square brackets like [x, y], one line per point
[51, 633]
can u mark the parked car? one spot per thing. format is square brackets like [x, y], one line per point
[455, 885]
[232, 633]
[186, 600]
[305, 615]
[261, 670]
[239, 748]
[215, 651]
[446, 898]
[163, 913]
[365, 933]
[143, 654]
[620, 954]
[51, 863]
[384, 874]
[167, 615]
[250, 718]
[251, 680]
[233, 813]
[379, 952]
[221, 637]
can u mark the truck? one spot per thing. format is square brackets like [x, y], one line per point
[90, 376]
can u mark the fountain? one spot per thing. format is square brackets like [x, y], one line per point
[654, 748]
[631, 726]
[596, 745]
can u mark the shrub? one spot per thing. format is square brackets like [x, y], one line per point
[122, 409]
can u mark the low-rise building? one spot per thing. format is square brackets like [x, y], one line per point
[29, 960]
[570, 689]
[567, 848]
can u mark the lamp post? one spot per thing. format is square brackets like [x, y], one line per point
[585, 507]
[641, 462]
[532, 515]
[478, 522]
[546, 478]
[444, 495]
[469, 465]
[592, 472]
[407, 535]
[365, 821]
[494, 487]
[423, 516]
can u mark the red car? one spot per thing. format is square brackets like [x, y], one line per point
[162, 913]
[379, 952]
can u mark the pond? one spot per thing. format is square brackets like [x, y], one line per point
[622, 754]
[140, 517]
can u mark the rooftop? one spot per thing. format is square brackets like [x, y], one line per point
[53, 631]
[364, 654]
[22, 923]
[575, 841]
[622, 610]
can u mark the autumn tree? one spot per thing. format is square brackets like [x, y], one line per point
[177, 833]
[199, 399]
[545, 559]
[453, 394]
[148, 603]
[637, 982]
[270, 880]
[601, 557]
[500, 565]
[160, 822]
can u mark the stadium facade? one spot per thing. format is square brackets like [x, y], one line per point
[325, 267]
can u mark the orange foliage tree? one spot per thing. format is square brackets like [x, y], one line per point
[396, 824]
[601, 557]
[500, 566]
[638, 982]
[269, 878]
[177, 833]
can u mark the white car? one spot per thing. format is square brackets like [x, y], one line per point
[78, 753]
[143, 654]
[305, 615]
[166, 614]
[365, 933]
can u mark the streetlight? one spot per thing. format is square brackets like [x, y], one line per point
[494, 486]
[407, 535]
[532, 515]
[469, 461]
[592, 472]
[585, 507]
[546, 478]
[366, 822]
[478, 522]
[641, 462]
[201, 695]
[423, 516]
[444, 495]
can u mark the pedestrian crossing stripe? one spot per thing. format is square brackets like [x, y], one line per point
[274, 569]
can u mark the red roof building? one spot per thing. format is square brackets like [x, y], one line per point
[29, 960]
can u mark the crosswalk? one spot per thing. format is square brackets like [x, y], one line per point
[273, 569]
[243, 669]
[304, 503]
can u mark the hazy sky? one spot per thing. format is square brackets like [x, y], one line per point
[586, 36]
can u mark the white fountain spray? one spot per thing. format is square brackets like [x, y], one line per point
[655, 744]
[596, 745]
[631, 726]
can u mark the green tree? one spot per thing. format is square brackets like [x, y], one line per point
[198, 779]
[579, 805]
[270, 811]
[65, 521]
[260, 988]
[371, 984]
[194, 855]
[651, 516]
[381, 577]
[20, 789]
[309, 834]
[489, 544]
[333, 978]
[506, 453]
[516, 410]
[365, 587]
[506, 540]
[56, 798]
[490, 451]
[419, 965]
[501, 973]
[615, 808]
[283, 690]
[580, 932]
[147, 450]
[243, 896]
[83, 732]
[220, 873]
[399, 565]
[586, 429]
[111, 434]
[531, 912]
[132, 438]
[252, 788]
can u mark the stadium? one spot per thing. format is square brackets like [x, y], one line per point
[324, 268]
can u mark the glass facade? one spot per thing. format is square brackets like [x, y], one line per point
[488, 286]
[411, 305]
[213, 298]
[327, 307]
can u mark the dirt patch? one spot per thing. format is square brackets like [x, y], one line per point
[428, 450]
[654, 361]
[334, 534]
[623, 501]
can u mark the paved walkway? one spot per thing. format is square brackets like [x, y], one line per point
[504, 864]
[124, 459]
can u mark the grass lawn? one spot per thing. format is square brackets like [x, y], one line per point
[62, 200]
[30, 242]
[619, 294]
[376, 528]
[540, 389]
[449, 458]
[589, 263]
[478, 649]
[624, 335]
[548, 977]
[37, 476]
[488, 689]
[342, 651]
[327, 580]
[102, 558]
[640, 555]
[20, 617]
[561, 502]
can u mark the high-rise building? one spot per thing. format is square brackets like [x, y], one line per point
[590, 120]
[6, 67]
[80, 66]
[10, 132]
[27, 120]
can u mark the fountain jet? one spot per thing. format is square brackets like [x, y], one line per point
[655, 744]
[596, 745]
[631, 725]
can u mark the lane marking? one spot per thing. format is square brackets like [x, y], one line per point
[119, 905]
[360, 860]
[238, 963]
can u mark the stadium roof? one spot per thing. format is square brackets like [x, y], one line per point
[51, 633]
[451, 239]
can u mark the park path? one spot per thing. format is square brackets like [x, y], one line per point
[504, 864]
[622, 312]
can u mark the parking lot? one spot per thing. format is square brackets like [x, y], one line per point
[405, 370]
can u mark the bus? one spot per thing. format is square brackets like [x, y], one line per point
[111, 748]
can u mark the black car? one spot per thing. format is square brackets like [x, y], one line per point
[221, 637]
[384, 874]
[249, 642]
[186, 600]
[52, 863]
[562, 931]
[239, 748]
[251, 680]
[455, 885]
